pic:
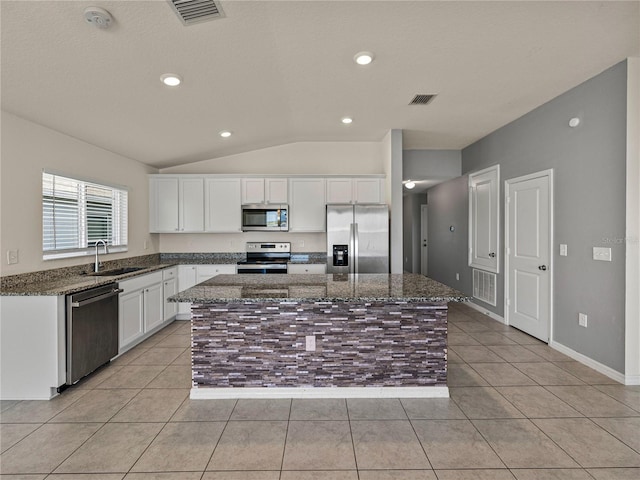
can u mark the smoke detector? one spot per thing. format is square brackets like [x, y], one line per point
[98, 16]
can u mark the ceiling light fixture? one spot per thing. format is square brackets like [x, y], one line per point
[364, 58]
[171, 79]
[410, 185]
[225, 134]
[347, 120]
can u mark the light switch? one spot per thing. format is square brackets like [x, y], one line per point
[563, 249]
[602, 253]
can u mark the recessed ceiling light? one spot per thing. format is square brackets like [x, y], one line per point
[225, 133]
[364, 58]
[171, 79]
[347, 120]
[410, 185]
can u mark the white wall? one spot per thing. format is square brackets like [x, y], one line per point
[330, 158]
[27, 149]
[303, 158]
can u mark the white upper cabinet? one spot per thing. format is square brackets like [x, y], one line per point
[264, 190]
[484, 219]
[222, 205]
[176, 204]
[355, 190]
[307, 210]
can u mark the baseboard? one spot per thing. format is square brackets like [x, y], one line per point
[488, 313]
[591, 363]
[320, 392]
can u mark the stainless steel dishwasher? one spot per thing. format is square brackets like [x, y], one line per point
[92, 330]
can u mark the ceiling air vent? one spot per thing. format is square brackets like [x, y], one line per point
[421, 99]
[196, 11]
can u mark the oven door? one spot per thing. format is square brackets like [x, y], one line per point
[266, 268]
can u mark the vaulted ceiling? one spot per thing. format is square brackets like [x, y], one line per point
[276, 72]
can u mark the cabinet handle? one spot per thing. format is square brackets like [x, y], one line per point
[492, 255]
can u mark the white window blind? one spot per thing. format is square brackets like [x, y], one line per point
[77, 213]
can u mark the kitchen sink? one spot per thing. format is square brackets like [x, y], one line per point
[117, 271]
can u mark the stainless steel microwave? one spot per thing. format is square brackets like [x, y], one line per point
[261, 217]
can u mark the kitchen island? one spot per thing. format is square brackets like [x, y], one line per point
[340, 335]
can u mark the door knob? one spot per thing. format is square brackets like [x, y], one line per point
[542, 267]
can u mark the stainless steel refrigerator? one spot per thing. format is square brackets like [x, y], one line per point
[357, 238]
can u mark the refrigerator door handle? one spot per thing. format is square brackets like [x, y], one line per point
[356, 248]
[352, 248]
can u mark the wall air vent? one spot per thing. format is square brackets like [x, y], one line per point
[196, 11]
[484, 286]
[421, 99]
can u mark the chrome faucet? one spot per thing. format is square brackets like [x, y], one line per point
[97, 265]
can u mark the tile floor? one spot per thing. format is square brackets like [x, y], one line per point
[518, 410]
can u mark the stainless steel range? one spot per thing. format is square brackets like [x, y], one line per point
[266, 258]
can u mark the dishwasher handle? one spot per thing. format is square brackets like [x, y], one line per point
[82, 303]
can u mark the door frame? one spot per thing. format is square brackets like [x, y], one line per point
[507, 190]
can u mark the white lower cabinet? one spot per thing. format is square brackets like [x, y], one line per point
[205, 272]
[320, 268]
[131, 318]
[169, 288]
[141, 308]
[191, 275]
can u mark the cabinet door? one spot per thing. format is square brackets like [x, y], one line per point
[339, 190]
[484, 212]
[153, 307]
[163, 204]
[187, 278]
[276, 190]
[170, 288]
[131, 318]
[252, 190]
[223, 211]
[191, 205]
[368, 190]
[314, 268]
[307, 210]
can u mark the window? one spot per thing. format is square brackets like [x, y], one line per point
[76, 214]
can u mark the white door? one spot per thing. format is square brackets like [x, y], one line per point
[424, 246]
[484, 219]
[529, 254]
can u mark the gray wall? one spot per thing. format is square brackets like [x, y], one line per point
[448, 206]
[589, 210]
[432, 164]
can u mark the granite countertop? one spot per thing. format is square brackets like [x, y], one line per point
[408, 287]
[67, 280]
[72, 283]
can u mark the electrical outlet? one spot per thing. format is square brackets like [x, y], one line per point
[301, 243]
[563, 249]
[602, 253]
[146, 244]
[457, 276]
[12, 257]
[310, 343]
[582, 320]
